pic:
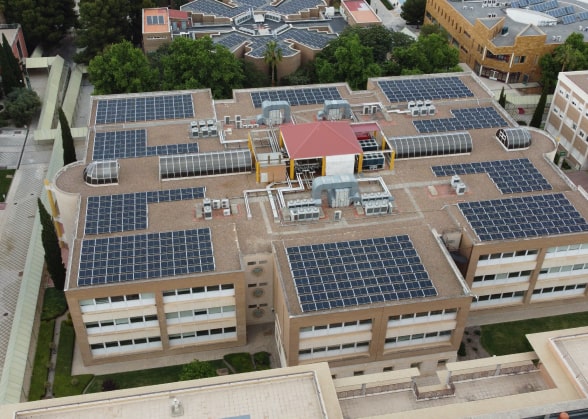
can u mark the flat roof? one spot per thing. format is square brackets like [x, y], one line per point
[425, 205]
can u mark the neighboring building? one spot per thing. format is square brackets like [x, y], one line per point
[543, 383]
[567, 120]
[369, 227]
[14, 36]
[300, 28]
[505, 40]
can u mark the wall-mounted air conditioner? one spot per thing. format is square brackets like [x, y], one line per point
[375, 108]
[337, 215]
[366, 109]
[227, 119]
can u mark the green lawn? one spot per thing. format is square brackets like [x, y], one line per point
[64, 384]
[5, 181]
[54, 304]
[132, 379]
[509, 338]
[240, 361]
[42, 358]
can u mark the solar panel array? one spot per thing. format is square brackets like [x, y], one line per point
[562, 11]
[464, 119]
[145, 256]
[352, 273]
[133, 143]
[523, 217]
[144, 108]
[576, 17]
[297, 97]
[509, 176]
[422, 89]
[127, 212]
[543, 6]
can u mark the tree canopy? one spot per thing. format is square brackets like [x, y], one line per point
[413, 11]
[429, 54]
[50, 241]
[197, 64]
[102, 23]
[44, 22]
[12, 76]
[21, 105]
[122, 68]
[570, 56]
[272, 56]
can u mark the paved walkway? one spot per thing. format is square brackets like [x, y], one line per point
[53, 360]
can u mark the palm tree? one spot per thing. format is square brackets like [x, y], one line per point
[272, 56]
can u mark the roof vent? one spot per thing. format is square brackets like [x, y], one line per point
[504, 30]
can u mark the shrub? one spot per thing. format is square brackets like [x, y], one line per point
[241, 361]
[54, 304]
[109, 385]
[462, 349]
[262, 360]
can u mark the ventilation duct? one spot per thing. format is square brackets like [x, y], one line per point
[335, 185]
[274, 113]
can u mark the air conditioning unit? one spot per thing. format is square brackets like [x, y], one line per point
[216, 204]
[194, 124]
[424, 110]
[194, 132]
[366, 109]
[207, 210]
[227, 119]
[455, 180]
[238, 124]
[337, 215]
[460, 188]
[226, 212]
[432, 110]
[225, 203]
[375, 108]
[213, 131]
[415, 111]
[411, 104]
[237, 118]
[204, 131]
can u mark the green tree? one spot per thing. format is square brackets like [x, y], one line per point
[272, 56]
[502, 98]
[350, 61]
[21, 105]
[136, 18]
[197, 64]
[570, 56]
[12, 77]
[69, 150]
[197, 369]
[44, 22]
[427, 30]
[253, 77]
[102, 23]
[399, 40]
[413, 11]
[539, 110]
[122, 68]
[306, 74]
[53, 259]
[429, 54]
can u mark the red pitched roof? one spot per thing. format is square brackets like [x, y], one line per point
[319, 139]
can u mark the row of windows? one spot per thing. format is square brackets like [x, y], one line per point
[501, 276]
[202, 335]
[199, 314]
[423, 314]
[568, 248]
[331, 350]
[121, 321]
[571, 269]
[509, 255]
[125, 342]
[336, 327]
[500, 296]
[416, 338]
[118, 299]
[198, 290]
[560, 288]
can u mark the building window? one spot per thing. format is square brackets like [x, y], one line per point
[441, 363]
[519, 59]
[415, 365]
[388, 369]
[356, 373]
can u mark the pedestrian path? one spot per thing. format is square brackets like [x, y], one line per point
[53, 360]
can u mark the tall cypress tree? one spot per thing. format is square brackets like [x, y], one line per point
[502, 98]
[69, 150]
[538, 115]
[50, 241]
[12, 77]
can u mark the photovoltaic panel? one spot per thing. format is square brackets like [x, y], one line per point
[464, 119]
[127, 212]
[297, 97]
[433, 88]
[145, 256]
[352, 273]
[144, 108]
[509, 176]
[133, 143]
[523, 217]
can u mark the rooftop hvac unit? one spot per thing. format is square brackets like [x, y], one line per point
[455, 180]
[411, 104]
[374, 108]
[204, 131]
[207, 213]
[377, 207]
[194, 132]
[305, 214]
[432, 110]
[193, 124]
[206, 202]
[202, 123]
[428, 102]
[460, 188]
[237, 118]
[415, 111]
[337, 215]
[419, 103]
[366, 109]
[424, 110]
[213, 131]
[238, 124]
[216, 204]
[227, 119]
[225, 203]
[226, 212]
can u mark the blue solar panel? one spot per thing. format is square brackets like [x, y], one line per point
[127, 212]
[423, 89]
[115, 111]
[509, 176]
[297, 97]
[464, 119]
[523, 217]
[145, 256]
[340, 274]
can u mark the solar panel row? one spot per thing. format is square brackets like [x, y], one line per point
[341, 274]
[114, 111]
[133, 143]
[297, 97]
[509, 176]
[467, 118]
[523, 217]
[145, 256]
[422, 89]
[127, 212]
